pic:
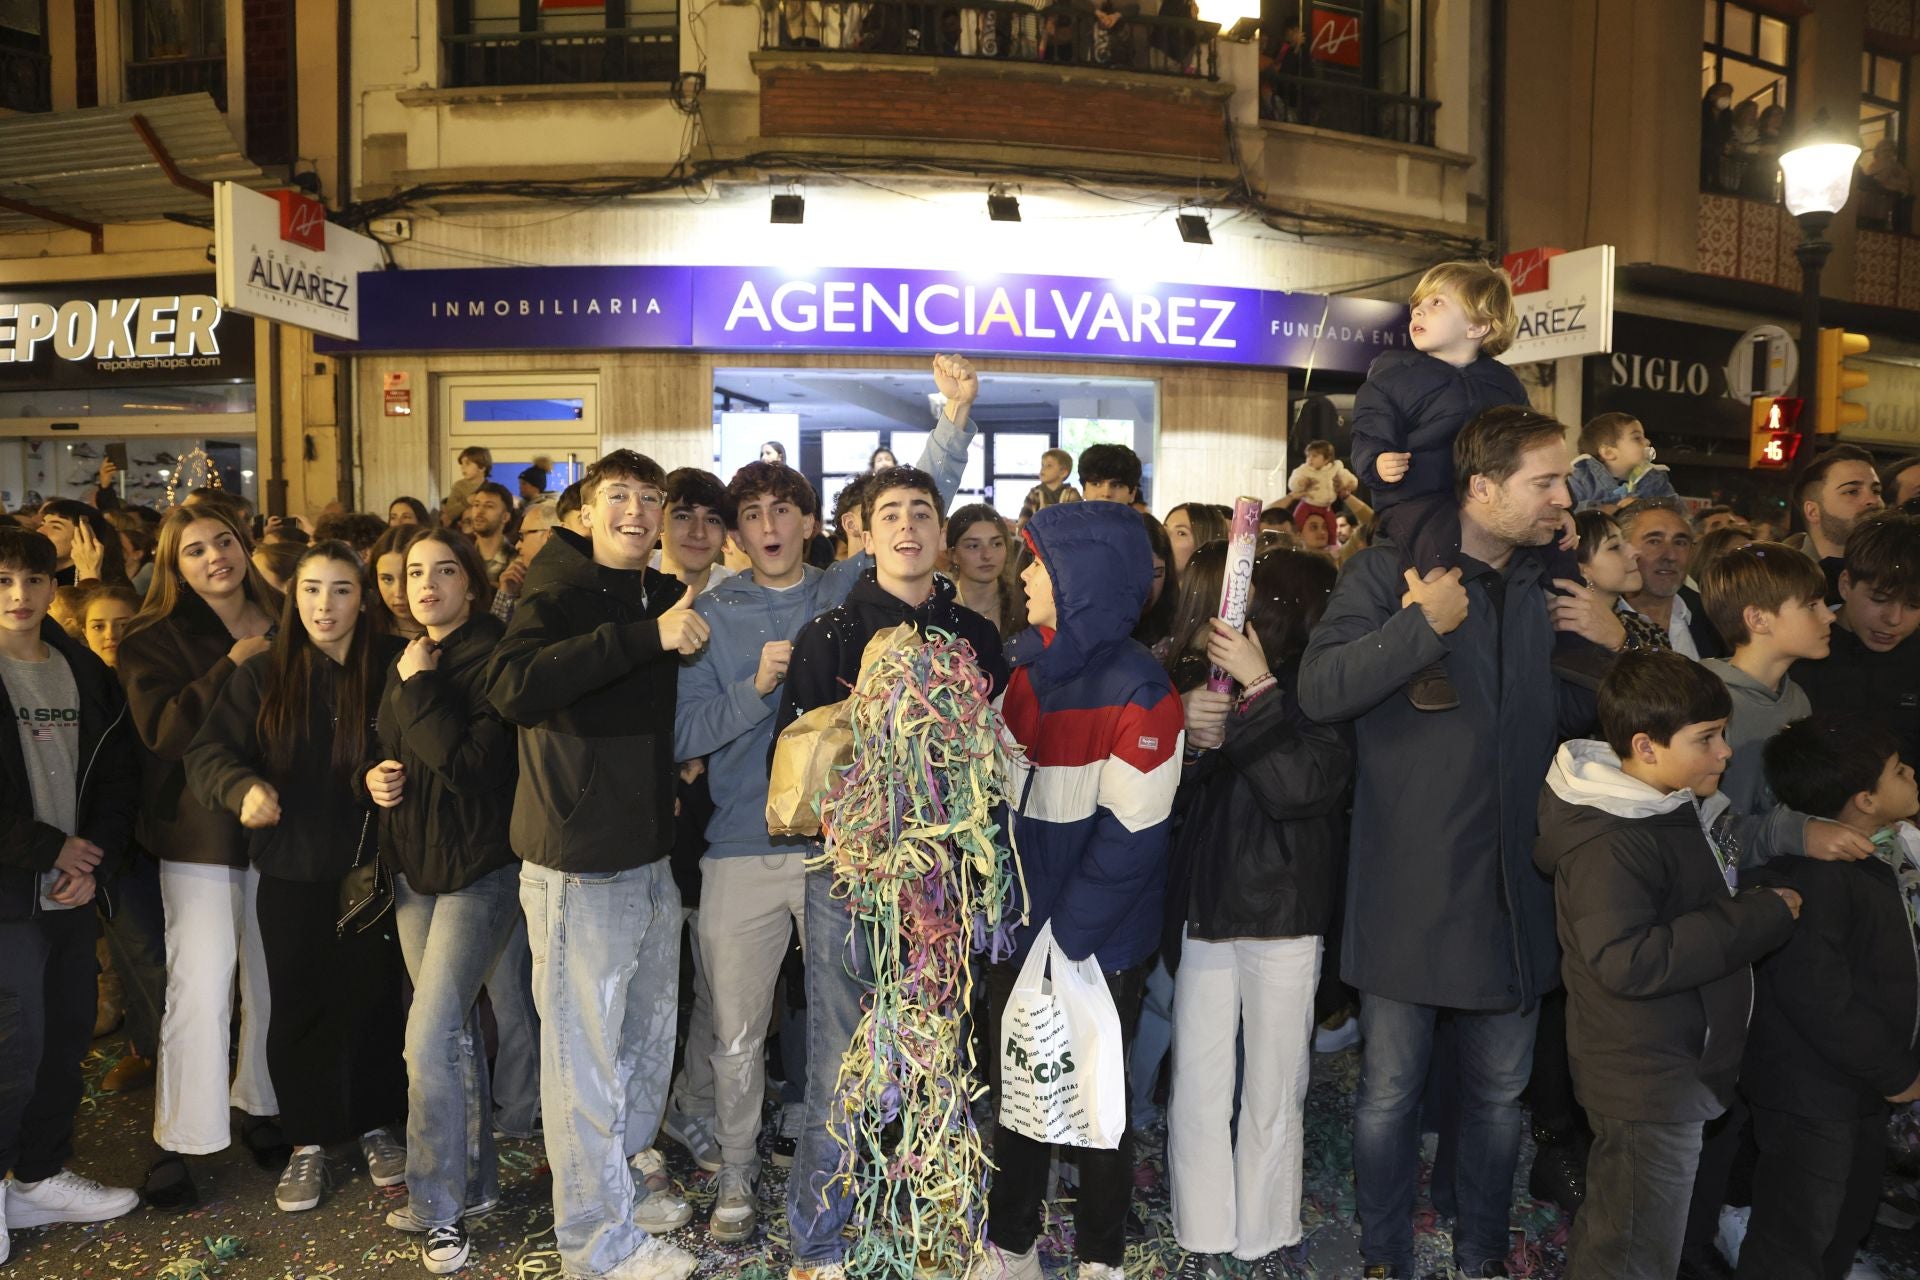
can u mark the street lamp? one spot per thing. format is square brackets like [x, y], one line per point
[1818, 175]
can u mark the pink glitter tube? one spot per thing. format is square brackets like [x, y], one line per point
[1233, 591]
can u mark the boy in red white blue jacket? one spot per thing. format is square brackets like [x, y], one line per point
[1103, 731]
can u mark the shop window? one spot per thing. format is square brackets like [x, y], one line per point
[25, 67]
[1357, 66]
[1883, 197]
[1746, 83]
[179, 46]
[503, 42]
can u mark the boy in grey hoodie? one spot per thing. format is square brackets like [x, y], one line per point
[1769, 604]
[754, 884]
[1658, 940]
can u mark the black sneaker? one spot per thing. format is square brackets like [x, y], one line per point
[263, 1137]
[1703, 1262]
[446, 1250]
[1200, 1266]
[1431, 690]
[169, 1184]
[785, 1142]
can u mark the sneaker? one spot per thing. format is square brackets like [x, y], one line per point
[386, 1159]
[65, 1197]
[995, 1263]
[263, 1137]
[169, 1184]
[402, 1219]
[304, 1181]
[655, 1259]
[661, 1208]
[1100, 1271]
[735, 1207]
[1282, 1264]
[1703, 1262]
[1340, 1032]
[446, 1250]
[1732, 1232]
[1200, 1266]
[786, 1140]
[696, 1135]
[1559, 1176]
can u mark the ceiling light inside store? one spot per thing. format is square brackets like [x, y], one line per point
[789, 209]
[1194, 229]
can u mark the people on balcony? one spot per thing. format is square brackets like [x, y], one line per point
[1883, 190]
[1716, 132]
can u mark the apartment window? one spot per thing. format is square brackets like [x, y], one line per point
[501, 42]
[1746, 89]
[179, 46]
[25, 68]
[1883, 100]
[1358, 66]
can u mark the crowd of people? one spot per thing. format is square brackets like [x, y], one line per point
[1601, 804]
[1740, 148]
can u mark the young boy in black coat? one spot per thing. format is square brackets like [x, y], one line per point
[1834, 1026]
[69, 785]
[1657, 935]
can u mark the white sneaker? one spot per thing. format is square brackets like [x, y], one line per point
[1864, 1270]
[735, 1207]
[1733, 1231]
[661, 1208]
[1337, 1037]
[995, 1263]
[65, 1197]
[655, 1259]
[1100, 1271]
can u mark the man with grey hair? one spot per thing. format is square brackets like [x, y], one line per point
[537, 520]
[1661, 536]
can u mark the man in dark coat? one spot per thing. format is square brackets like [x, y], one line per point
[1445, 911]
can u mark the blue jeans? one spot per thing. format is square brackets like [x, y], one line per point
[516, 1069]
[450, 941]
[606, 979]
[839, 973]
[1495, 1057]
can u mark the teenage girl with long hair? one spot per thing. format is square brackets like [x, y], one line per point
[285, 748]
[208, 611]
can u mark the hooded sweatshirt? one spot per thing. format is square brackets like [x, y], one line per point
[1103, 731]
[1657, 945]
[1758, 714]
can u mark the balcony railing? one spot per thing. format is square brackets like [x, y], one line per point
[1065, 34]
[165, 77]
[621, 55]
[26, 80]
[1347, 108]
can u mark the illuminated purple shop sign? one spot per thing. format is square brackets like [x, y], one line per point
[870, 310]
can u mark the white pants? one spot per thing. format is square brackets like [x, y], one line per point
[211, 931]
[1240, 1197]
[748, 906]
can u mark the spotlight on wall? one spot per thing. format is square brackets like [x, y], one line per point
[790, 209]
[1002, 207]
[1193, 228]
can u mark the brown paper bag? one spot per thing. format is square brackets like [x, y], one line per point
[814, 747]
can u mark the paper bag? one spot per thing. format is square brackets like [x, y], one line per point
[816, 747]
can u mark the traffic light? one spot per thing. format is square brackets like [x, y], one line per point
[1775, 441]
[1836, 379]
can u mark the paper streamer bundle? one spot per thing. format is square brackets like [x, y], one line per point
[913, 844]
[1241, 540]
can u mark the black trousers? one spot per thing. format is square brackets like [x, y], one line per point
[1726, 1172]
[1550, 1090]
[137, 939]
[336, 1040]
[49, 980]
[1106, 1177]
[1815, 1191]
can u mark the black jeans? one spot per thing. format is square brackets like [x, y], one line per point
[49, 980]
[336, 1041]
[1106, 1177]
[137, 938]
[1815, 1191]
[1726, 1172]
[1634, 1219]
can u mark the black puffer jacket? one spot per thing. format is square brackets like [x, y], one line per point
[1657, 950]
[1415, 403]
[173, 670]
[1263, 826]
[581, 671]
[322, 815]
[450, 827]
[109, 788]
[1836, 1024]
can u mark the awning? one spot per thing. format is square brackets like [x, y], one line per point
[127, 163]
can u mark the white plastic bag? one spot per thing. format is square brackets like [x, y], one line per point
[1062, 1074]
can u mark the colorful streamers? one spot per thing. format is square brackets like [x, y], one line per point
[913, 839]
